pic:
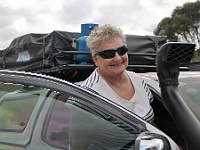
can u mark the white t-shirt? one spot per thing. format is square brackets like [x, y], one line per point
[138, 104]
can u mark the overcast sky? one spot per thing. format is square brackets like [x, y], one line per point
[138, 17]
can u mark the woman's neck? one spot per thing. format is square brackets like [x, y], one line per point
[115, 80]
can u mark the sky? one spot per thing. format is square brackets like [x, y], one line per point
[137, 17]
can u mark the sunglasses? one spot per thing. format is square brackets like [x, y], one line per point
[110, 53]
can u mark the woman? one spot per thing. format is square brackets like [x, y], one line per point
[111, 79]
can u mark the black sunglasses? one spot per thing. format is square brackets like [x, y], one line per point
[110, 53]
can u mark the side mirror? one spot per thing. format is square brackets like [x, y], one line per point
[151, 141]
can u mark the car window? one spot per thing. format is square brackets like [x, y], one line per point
[20, 106]
[72, 124]
[12, 116]
[5, 88]
[15, 107]
[56, 125]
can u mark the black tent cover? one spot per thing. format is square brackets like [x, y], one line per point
[55, 52]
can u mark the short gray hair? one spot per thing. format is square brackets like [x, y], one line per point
[102, 34]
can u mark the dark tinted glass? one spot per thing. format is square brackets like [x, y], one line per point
[108, 54]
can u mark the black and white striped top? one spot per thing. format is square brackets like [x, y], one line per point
[139, 103]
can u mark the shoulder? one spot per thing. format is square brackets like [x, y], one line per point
[132, 73]
[91, 80]
[134, 76]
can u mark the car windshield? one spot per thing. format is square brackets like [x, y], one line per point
[189, 90]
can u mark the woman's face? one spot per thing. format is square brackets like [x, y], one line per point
[113, 66]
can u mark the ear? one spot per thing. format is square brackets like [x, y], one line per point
[94, 58]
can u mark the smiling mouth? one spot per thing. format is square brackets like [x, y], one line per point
[116, 65]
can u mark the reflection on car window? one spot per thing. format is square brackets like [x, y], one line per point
[74, 125]
[57, 122]
[15, 107]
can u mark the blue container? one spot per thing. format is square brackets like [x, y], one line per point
[82, 46]
[87, 28]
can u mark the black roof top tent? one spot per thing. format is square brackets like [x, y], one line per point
[55, 54]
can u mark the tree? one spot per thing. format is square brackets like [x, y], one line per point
[196, 56]
[183, 25]
[164, 28]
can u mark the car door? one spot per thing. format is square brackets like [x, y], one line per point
[49, 113]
